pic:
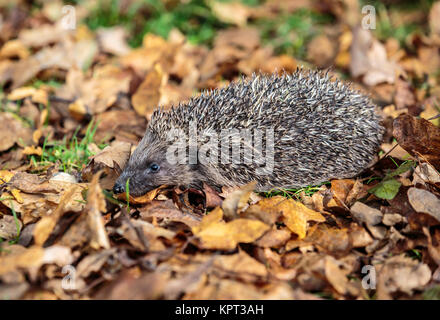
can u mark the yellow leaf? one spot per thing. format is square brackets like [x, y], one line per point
[17, 195]
[214, 233]
[77, 109]
[36, 136]
[21, 93]
[5, 176]
[153, 41]
[33, 150]
[296, 222]
[40, 96]
[295, 214]
[215, 216]
[14, 48]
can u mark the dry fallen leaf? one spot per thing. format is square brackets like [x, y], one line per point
[295, 215]
[111, 159]
[231, 12]
[112, 40]
[424, 201]
[369, 59]
[13, 131]
[94, 207]
[147, 96]
[401, 273]
[214, 233]
[418, 137]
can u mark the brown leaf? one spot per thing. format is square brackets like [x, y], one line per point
[425, 202]
[94, 207]
[231, 12]
[403, 274]
[147, 96]
[125, 125]
[365, 214]
[274, 238]
[369, 59]
[167, 211]
[321, 51]
[337, 277]
[212, 198]
[8, 227]
[13, 131]
[45, 226]
[112, 40]
[112, 160]
[237, 200]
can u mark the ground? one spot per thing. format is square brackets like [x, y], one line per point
[80, 80]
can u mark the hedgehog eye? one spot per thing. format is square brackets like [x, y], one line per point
[154, 167]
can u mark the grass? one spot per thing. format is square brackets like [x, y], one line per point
[291, 193]
[194, 18]
[288, 33]
[71, 154]
[37, 83]
[414, 254]
[387, 28]
[432, 293]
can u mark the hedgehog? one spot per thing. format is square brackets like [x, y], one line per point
[281, 131]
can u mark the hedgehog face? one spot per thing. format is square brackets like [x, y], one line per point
[148, 169]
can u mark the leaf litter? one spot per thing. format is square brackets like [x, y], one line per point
[57, 170]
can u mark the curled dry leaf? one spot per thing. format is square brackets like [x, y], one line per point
[401, 273]
[212, 197]
[40, 197]
[295, 215]
[369, 59]
[365, 214]
[274, 238]
[337, 276]
[20, 258]
[240, 265]
[125, 125]
[425, 202]
[425, 173]
[237, 200]
[37, 95]
[419, 137]
[45, 226]
[147, 96]
[112, 160]
[94, 207]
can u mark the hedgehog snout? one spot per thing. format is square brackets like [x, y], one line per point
[118, 188]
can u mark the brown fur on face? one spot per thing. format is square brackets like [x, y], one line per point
[152, 150]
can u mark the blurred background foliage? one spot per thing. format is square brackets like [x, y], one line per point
[287, 32]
